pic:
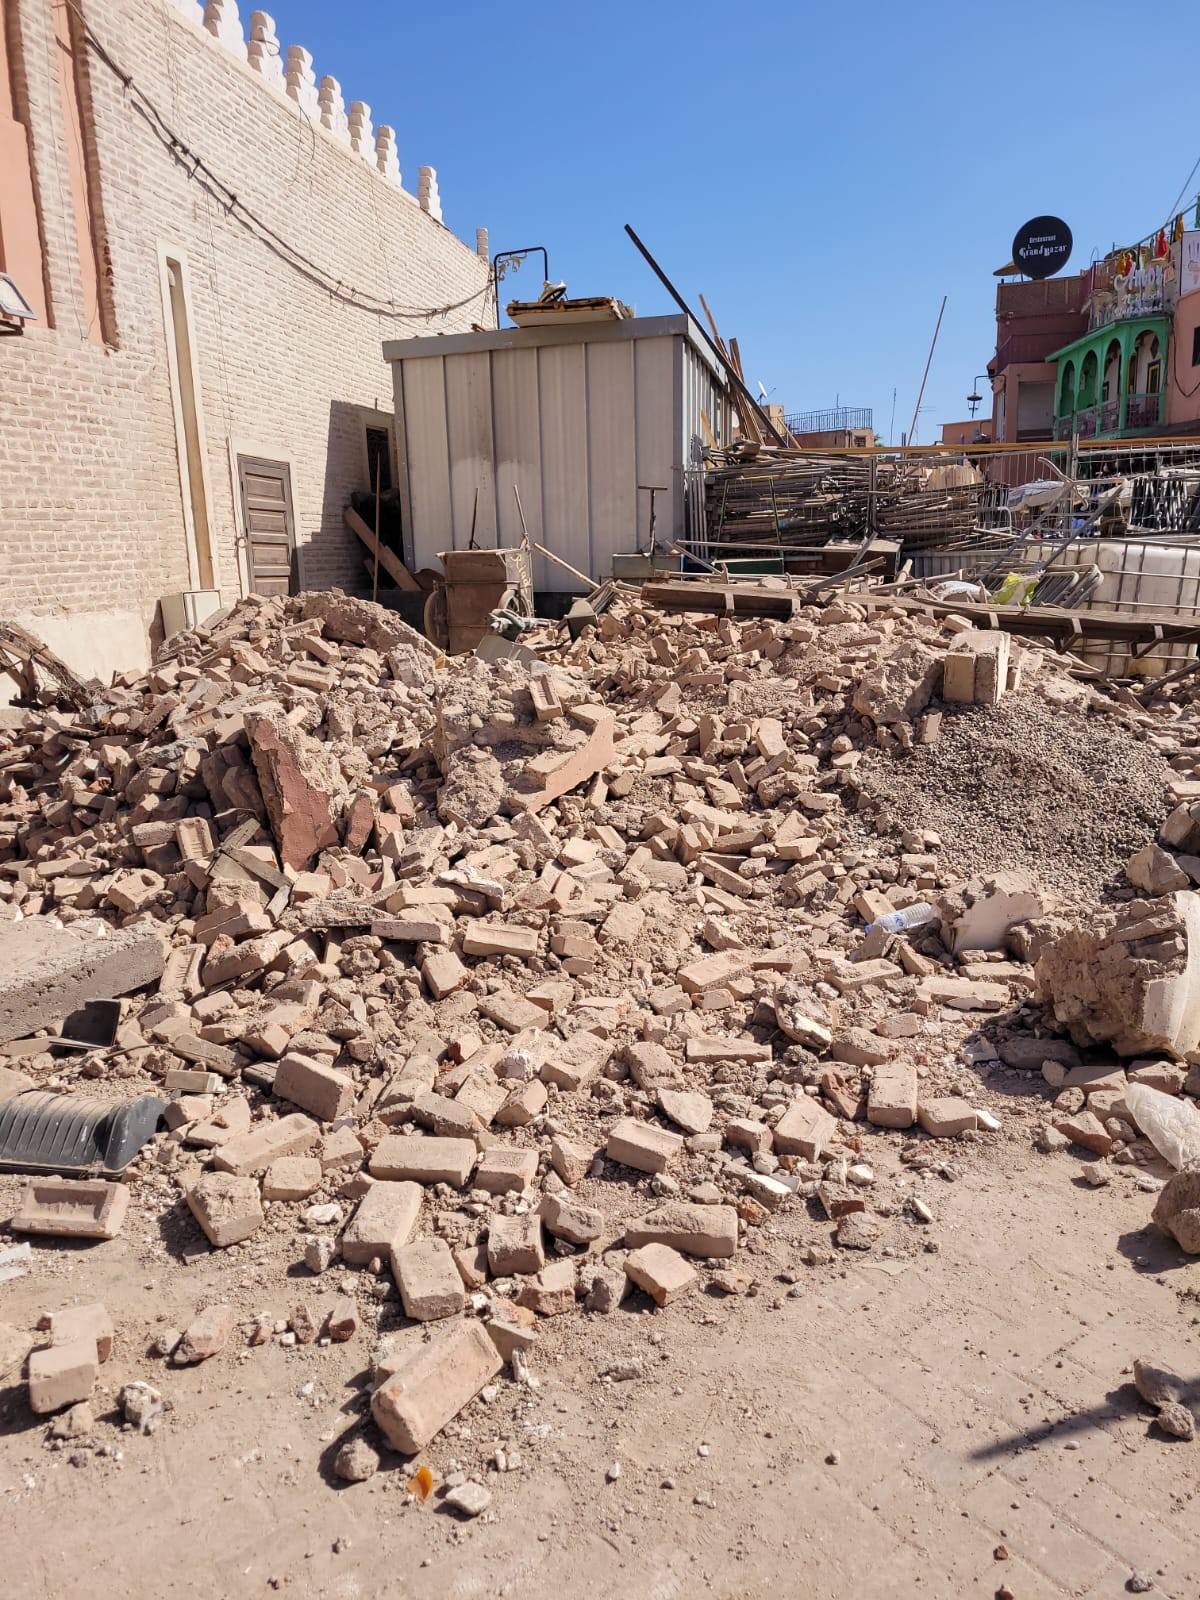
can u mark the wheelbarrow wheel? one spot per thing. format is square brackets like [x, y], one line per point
[437, 621]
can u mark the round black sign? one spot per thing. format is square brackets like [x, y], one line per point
[1042, 247]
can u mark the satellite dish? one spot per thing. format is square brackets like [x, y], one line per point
[1042, 247]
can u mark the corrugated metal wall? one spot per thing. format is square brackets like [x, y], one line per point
[575, 419]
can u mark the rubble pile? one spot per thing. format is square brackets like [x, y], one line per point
[499, 991]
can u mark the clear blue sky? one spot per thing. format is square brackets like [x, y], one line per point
[824, 174]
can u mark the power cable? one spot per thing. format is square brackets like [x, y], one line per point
[199, 170]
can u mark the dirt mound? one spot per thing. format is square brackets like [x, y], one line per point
[1067, 795]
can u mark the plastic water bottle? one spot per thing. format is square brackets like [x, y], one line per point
[918, 916]
[1171, 1123]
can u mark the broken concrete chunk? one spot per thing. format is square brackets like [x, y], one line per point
[300, 786]
[1129, 978]
[206, 1335]
[1177, 1210]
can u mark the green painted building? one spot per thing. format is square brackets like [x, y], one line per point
[1110, 382]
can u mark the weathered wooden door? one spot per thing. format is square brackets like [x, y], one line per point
[266, 488]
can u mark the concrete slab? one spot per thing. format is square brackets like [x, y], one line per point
[47, 971]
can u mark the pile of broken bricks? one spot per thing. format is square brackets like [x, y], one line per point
[496, 992]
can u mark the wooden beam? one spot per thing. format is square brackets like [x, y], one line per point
[378, 551]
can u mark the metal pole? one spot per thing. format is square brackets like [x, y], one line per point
[730, 373]
[375, 574]
[912, 432]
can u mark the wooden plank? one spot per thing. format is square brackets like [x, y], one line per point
[391, 564]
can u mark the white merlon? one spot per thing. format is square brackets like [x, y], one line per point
[333, 109]
[222, 21]
[362, 130]
[292, 73]
[302, 80]
[263, 49]
[386, 158]
[481, 244]
[427, 193]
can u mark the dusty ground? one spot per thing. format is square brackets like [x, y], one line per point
[879, 1429]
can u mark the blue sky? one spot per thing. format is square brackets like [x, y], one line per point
[824, 174]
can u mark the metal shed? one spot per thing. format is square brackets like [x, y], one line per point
[574, 417]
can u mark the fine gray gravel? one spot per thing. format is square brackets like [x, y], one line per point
[1066, 795]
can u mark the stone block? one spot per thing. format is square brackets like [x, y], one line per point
[432, 1384]
[504, 1170]
[321, 1090]
[694, 1230]
[804, 1129]
[427, 1279]
[661, 1272]
[892, 1100]
[443, 973]
[226, 1207]
[383, 1222]
[642, 1145]
[423, 1159]
[514, 1245]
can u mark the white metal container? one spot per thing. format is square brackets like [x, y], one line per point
[575, 418]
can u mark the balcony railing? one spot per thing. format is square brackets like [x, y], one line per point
[1142, 412]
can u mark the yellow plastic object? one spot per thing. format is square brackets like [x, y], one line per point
[1014, 591]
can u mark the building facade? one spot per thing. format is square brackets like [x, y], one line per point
[1033, 320]
[213, 247]
[1135, 372]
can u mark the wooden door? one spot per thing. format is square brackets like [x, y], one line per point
[266, 488]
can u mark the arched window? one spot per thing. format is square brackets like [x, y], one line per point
[1145, 364]
[1066, 392]
[1088, 380]
[1112, 372]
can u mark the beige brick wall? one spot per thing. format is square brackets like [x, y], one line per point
[92, 520]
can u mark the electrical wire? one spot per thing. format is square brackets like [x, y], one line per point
[199, 170]
[1174, 211]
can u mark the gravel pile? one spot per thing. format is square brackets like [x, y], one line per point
[1027, 784]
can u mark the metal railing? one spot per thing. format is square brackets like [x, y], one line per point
[837, 420]
[1140, 412]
